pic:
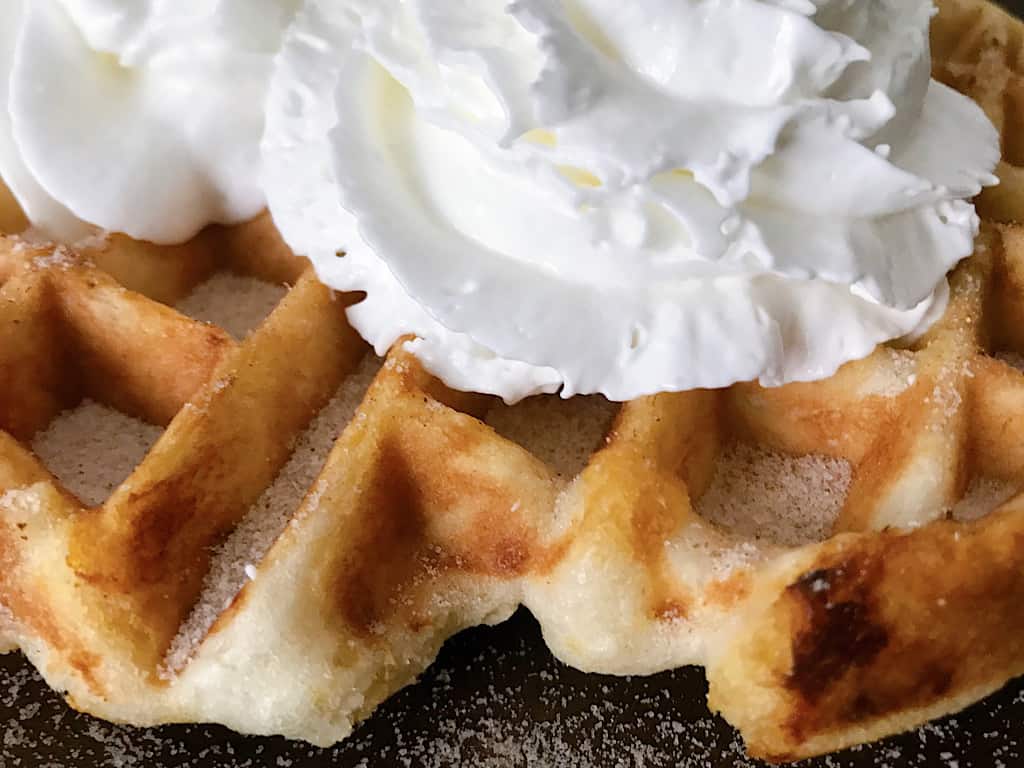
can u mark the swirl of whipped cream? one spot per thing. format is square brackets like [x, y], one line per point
[625, 198]
[140, 117]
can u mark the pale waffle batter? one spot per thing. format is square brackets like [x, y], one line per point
[290, 534]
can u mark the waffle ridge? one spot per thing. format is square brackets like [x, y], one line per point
[312, 523]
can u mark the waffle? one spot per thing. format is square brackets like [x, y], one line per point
[208, 515]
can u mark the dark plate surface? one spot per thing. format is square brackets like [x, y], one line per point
[495, 697]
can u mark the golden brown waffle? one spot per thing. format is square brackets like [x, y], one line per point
[273, 531]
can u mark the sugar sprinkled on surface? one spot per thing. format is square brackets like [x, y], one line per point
[561, 433]
[947, 398]
[984, 496]
[61, 258]
[774, 497]
[91, 449]
[236, 561]
[495, 699]
[723, 551]
[892, 379]
[236, 303]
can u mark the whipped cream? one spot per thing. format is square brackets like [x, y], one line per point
[595, 196]
[140, 117]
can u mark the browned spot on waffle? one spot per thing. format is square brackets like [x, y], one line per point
[1008, 289]
[889, 449]
[164, 511]
[20, 468]
[87, 665]
[655, 520]
[839, 630]
[997, 414]
[855, 659]
[670, 610]
[879, 626]
[390, 549]
[429, 518]
[36, 614]
[157, 541]
[147, 550]
[108, 336]
[634, 519]
[727, 593]
[832, 417]
[36, 383]
[679, 433]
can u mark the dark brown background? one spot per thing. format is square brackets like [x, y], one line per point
[494, 698]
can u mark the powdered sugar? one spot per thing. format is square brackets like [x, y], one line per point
[237, 559]
[91, 449]
[495, 699]
[776, 498]
[60, 258]
[236, 303]
[947, 399]
[723, 552]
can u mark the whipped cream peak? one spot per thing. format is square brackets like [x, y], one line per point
[626, 198]
[141, 117]
[550, 195]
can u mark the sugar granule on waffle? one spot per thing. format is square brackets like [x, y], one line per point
[236, 559]
[60, 258]
[1012, 359]
[895, 378]
[91, 449]
[724, 552]
[236, 303]
[780, 499]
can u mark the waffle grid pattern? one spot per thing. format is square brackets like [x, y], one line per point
[309, 524]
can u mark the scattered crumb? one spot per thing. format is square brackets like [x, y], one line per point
[237, 560]
[563, 434]
[92, 449]
[773, 497]
[236, 303]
